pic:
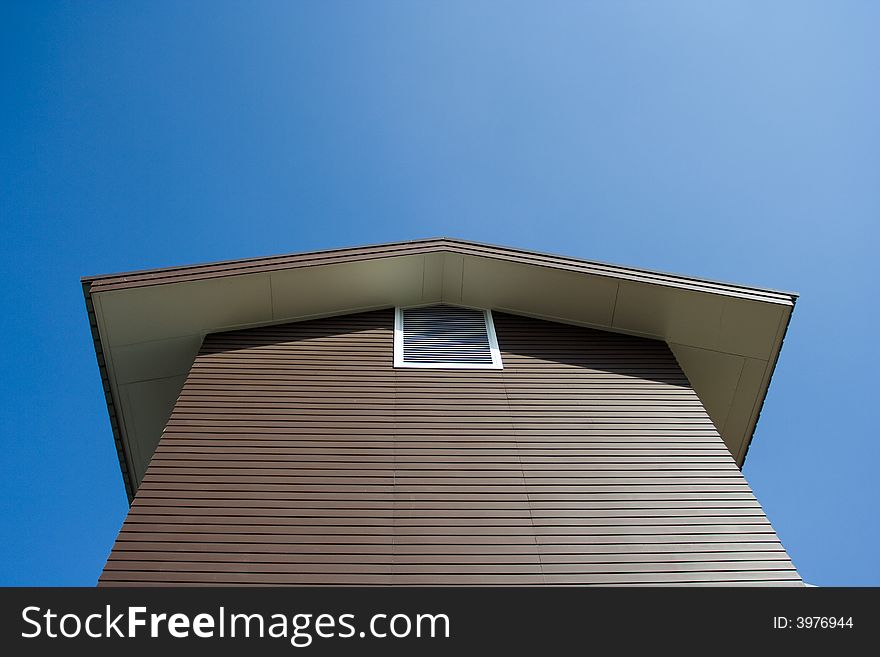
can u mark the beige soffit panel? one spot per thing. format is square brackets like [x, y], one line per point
[743, 409]
[452, 277]
[537, 291]
[147, 326]
[330, 289]
[675, 315]
[432, 278]
[155, 359]
[716, 375]
[750, 329]
[145, 314]
[148, 407]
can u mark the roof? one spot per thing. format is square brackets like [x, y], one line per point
[147, 326]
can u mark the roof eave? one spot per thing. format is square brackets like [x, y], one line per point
[122, 453]
[236, 268]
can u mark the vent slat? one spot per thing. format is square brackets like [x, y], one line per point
[445, 336]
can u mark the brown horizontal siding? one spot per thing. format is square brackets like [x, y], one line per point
[296, 454]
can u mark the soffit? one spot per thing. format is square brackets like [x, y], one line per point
[148, 326]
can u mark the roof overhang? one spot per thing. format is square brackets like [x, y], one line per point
[147, 326]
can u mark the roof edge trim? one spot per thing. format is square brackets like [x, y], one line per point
[223, 268]
[122, 454]
[760, 405]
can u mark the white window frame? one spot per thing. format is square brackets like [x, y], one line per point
[496, 363]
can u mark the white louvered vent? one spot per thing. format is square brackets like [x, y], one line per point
[444, 336]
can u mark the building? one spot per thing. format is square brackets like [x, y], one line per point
[436, 412]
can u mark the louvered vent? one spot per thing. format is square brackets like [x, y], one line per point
[445, 337]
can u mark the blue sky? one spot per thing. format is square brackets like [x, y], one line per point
[729, 140]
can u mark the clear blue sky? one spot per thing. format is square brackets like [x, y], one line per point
[730, 140]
